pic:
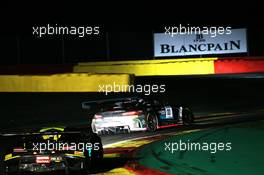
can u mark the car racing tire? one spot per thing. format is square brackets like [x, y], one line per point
[94, 128]
[67, 172]
[87, 166]
[152, 122]
[126, 130]
[5, 170]
[93, 163]
[187, 117]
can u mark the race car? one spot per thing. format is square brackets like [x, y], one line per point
[54, 149]
[136, 114]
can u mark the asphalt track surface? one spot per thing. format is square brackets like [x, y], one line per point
[203, 123]
[215, 100]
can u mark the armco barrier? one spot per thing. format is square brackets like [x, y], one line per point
[239, 65]
[151, 67]
[61, 82]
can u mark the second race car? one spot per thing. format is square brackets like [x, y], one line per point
[137, 114]
[53, 149]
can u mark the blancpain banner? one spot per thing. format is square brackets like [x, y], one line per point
[200, 44]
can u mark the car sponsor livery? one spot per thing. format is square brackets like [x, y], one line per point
[136, 114]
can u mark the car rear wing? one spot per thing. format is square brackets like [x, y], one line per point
[79, 130]
[88, 104]
[38, 133]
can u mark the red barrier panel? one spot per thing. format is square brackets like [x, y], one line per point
[238, 65]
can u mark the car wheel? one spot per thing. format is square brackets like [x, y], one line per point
[92, 164]
[87, 166]
[94, 128]
[187, 117]
[5, 170]
[67, 172]
[151, 123]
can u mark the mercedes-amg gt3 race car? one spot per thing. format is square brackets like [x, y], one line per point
[136, 114]
[54, 149]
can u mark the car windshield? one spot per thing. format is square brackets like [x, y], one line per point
[118, 106]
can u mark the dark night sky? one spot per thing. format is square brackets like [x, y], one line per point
[129, 29]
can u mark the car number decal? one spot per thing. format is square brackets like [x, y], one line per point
[168, 112]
